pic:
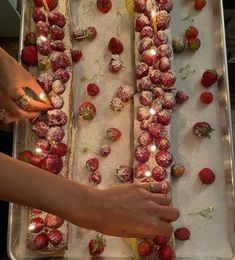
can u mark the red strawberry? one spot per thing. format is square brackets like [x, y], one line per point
[168, 79]
[202, 129]
[76, 54]
[37, 160]
[150, 56]
[165, 5]
[142, 154]
[156, 130]
[43, 29]
[159, 173]
[56, 18]
[165, 252]
[95, 178]
[43, 144]
[113, 134]
[156, 77]
[125, 92]
[206, 176]
[57, 33]
[147, 31]
[55, 134]
[29, 55]
[140, 170]
[92, 164]
[52, 221]
[58, 87]
[145, 138]
[36, 225]
[115, 64]
[158, 92]
[104, 5]
[194, 44]
[38, 15]
[145, 249]
[115, 46]
[163, 117]
[25, 156]
[163, 20]
[79, 34]
[160, 38]
[209, 77]
[90, 33]
[140, 6]
[93, 90]
[56, 117]
[53, 164]
[163, 143]
[140, 22]
[124, 173]
[52, 4]
[62, 75]
[105, 150]
[181, 97]
[145, 84]
[164, 158]
[57, 46]
[159, 240]
[164, 51]
[87, 110]
[30, 38]
[178, 44]
[164, 64]
[191, 32]
[97, 245]
[59, 149]
[206, 97]
[55, 237]
[141, 70]
[41, 241]
[43, 45]
[59, 60]
[169, 101]
[199, 4]
[182, 234]
[57, 101]
[146, 98]
[145, 44]
[38, 3]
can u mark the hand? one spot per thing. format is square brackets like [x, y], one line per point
[132, 211]
[13, 79]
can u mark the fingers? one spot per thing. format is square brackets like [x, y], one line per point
[161, 199]
[34, 105]
[168, 213]
[154, 187]
[164, 229]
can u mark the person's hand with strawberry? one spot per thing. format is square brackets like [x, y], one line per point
[14, 80]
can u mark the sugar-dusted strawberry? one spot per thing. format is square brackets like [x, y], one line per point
[56, 117]
[95, 178]
[169, 101]
[145, 249]
[90, 33]
[58, 87]
[55, 237]
[163, 143]
[41, 241]
[144, 123]
[156, 77]
[115, 46]
[209, 77]
[164, 51]
[124, 173]
[164, 64]
[55, 134]
[199, 4]
[113, 134]
[104, 5]
[140, 170]
[105, 150]
[79, 34]
[151, 5]
[57, 101]
[52, 4]
[163, 117]
[146, 98]
[145, 84]
[165, 5]
[159, 173]
[62, 75]
[182, 234]
[53, 222]
[147, 31]
[125, 92]
[115, 64]
[140, 6]
[156, 106]
[145, 44]
[149, 56]
[207, 176]
[143, 114]
[53, 164]
[168, 79]
[160, 38]
[145, 138]
[165, 252]
[178, 44]
[43, 144]
[164, 158]
[116, 104]
[43, 46]
[158, 93]
[59, 149]
[36, 225]
[141, 70]
[29, 55]
[87, 110]
[38, 15]
[142, 154]
[194, 44]
[37, 160]
[30, 38]
[160, 240]
[206, 97]
[76, 54]
[177, 170]
[40, 128]
[93, 89]
[25, 156]
[43, 29]
[162, 20]
[181, 97]
[59, 60]
[57, 46]
[56, 18]
[202, 129]
[92, 164]
[140, 22]
[57, 33]
[97, 245]
[156, 130]
[191, 32]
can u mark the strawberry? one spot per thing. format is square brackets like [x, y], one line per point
[59, 60]
[30, 38]
[145, 138]
[164, 158]
[165, 252]
[56, 117]
[149, 56]
[92, 164]
[93, 90]
[36, 225]
[104, 5]
[115, 64]
[181, 97]
[52, 4]
[159, 38]
[145, 249]
[147, 31]
[165, 5]
[156, 77]
[145, 84]
[37, 160]
[56, 18]
[142, 154]
[182, 234]
[87, 110]
[97, 245]
[191, 32]
[202, 129]
[55, 237]
[113, 134]
[206, 97]
[62, 75]
[158, 92]
[53, 164]
[55, 134]
[25, 156]
[145, 44]
[163, 143]
[53, 222]
[90, 33]
[140, 170]
[194, 44]
[124, 173]
[141, 70]
[116, 104]
[125, 92]
[43, 45]
[159, 240]
[40, 128]
[140, 6]
[57, 101]
[156, 130]
[95, 178]
[43, 144]
[105, 150]
[206, 176]
[159, 173]
[169, 101]
[178, 44]
[79, 34]
[164, 64]
[29, 55]
[76, 54]
[58, 87]
[59, 149]
[143, 114]
[164, 51]
[163, 117]
[38, 15]
[209, 77]
[168, 79]
[41, 241]
[57, 33]
[57, 46]
[177, 170]
[146, 98]
[162, 20]
[38, 3]
[199, 4]
[43, 29]
[140, 22]
[115, 46]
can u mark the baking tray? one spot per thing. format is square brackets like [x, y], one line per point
[216, 35]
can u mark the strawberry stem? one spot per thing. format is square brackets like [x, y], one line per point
[188, 18]
[119, 14]
[94, 78]
[206, 213]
